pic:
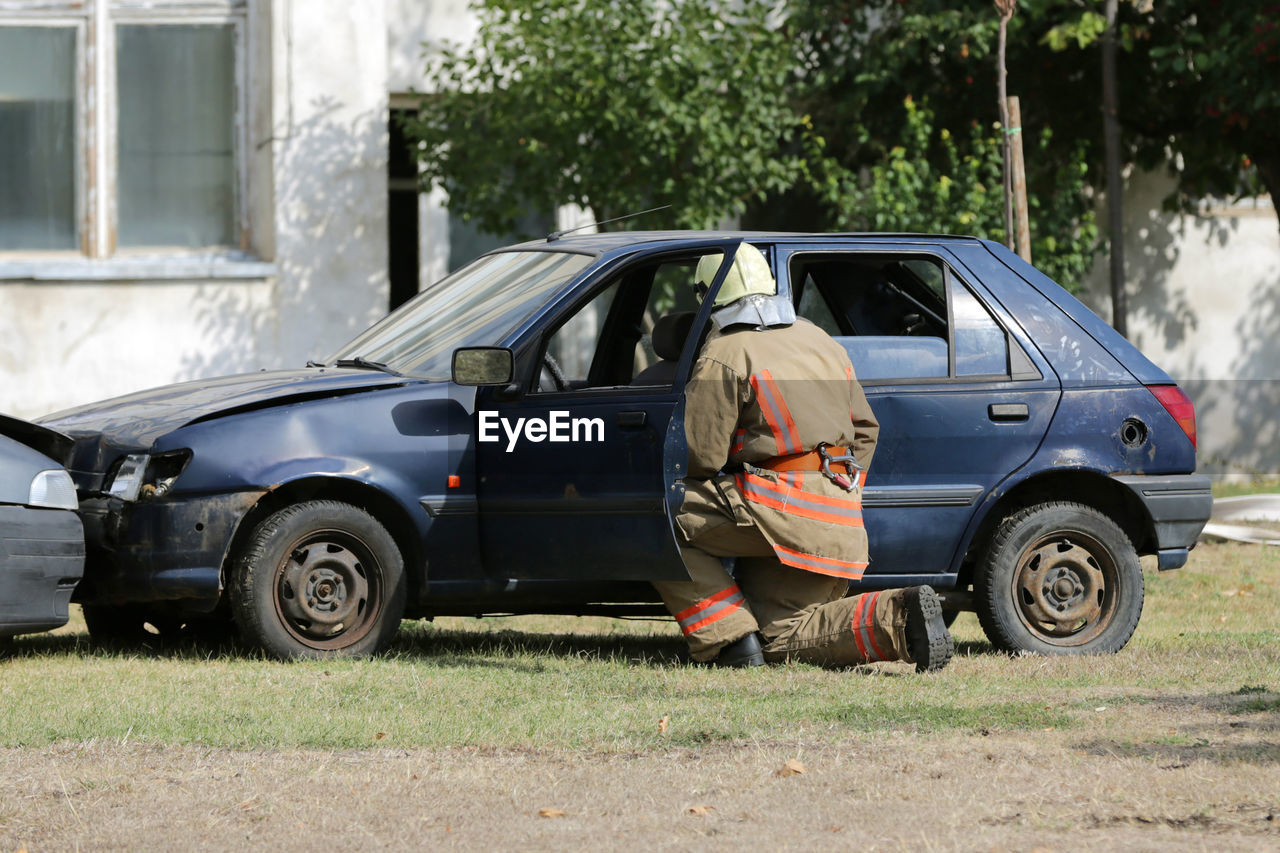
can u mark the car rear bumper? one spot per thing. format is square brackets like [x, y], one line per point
[1179, 506]
[41, 560]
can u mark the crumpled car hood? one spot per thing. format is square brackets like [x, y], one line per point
[137, 420]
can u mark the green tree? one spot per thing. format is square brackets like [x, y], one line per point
[932, 181]
[616, 106]
[1199, 82]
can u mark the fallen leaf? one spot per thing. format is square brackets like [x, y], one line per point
[701, 811]
[662, 724]
[791, 768]
[379, 735]
[550, 813]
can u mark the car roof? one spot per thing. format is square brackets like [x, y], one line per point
[608, 241]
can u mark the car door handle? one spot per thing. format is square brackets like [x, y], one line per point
[1008, 412]
[631, 420]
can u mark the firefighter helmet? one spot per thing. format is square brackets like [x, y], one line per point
[750, 274]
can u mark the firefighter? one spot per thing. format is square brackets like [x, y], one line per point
[780, 436]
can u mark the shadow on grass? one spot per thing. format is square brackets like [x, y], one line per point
[499, 649]
[505, 649]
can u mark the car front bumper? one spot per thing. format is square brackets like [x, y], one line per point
[165, 550]
[41, 560]
[1179, 506]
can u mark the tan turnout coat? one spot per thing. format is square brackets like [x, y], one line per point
[758, 394]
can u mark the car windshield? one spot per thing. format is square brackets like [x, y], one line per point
[475, 306]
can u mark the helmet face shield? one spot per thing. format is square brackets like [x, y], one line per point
[749, 274]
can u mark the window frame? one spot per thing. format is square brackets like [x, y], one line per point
[949, 275]
[607, 277]
[96, 24]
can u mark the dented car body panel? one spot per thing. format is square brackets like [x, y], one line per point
[531, 523]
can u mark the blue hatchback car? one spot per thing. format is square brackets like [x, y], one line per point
[511, 441]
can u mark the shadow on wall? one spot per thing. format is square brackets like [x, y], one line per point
[331, 252]
[1241, 416]
[1152, 252]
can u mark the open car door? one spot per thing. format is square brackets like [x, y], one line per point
[579, 465]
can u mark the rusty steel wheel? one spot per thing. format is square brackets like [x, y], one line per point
[1059, 578]
[326, 594]
[319, 579]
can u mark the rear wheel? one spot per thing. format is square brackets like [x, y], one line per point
[1059, 578]
[319, 579]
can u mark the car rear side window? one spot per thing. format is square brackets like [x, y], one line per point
[900, 317]
[982, 348]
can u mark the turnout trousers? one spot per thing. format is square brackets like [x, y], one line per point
[801, 615]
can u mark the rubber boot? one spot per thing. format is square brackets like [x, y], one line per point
[928, 639]
[742, 652]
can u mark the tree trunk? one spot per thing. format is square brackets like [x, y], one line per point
[1115, 186]
[1268, 162]
[1006, 154]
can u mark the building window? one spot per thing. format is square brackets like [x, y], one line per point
[152, 160]
[176, 135]
[38, 142]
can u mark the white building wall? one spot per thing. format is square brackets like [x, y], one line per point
[1204, 304]
[74, 330]
[329, 136]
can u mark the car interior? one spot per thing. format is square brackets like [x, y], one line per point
[890, 313]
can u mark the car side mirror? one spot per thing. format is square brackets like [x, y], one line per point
[482, 366]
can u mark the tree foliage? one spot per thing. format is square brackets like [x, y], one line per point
[793, 115]
[1198, 81]
[616, 106]
[932, 181]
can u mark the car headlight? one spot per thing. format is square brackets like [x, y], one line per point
[128, 479]
[53, 489]
[141, 476]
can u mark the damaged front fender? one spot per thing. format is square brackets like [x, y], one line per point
[163, 550]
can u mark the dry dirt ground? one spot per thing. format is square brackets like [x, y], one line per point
[1215, 787]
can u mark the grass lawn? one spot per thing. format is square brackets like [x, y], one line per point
[1208, 635]
[541, 733]
[1234, 488]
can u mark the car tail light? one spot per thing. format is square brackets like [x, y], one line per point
[1179, 405]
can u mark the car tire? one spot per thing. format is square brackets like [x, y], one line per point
[1059, 579]
[318, 579]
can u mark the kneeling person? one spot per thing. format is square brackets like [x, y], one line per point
[774, 400]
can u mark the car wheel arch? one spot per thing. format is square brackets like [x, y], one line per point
[1089, 487]
[373, 500]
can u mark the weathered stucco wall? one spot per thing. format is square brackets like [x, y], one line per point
[330, 140]
[73, 330]
[1204, 304]
[66, 343]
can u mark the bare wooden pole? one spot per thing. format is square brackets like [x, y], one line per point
[1006, 9]
[1019, 170]
[1115, 186]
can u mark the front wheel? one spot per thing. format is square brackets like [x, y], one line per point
[319, 579]
[1059, 578]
